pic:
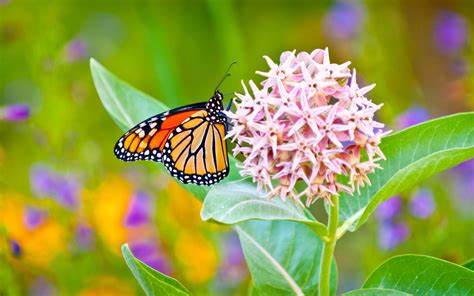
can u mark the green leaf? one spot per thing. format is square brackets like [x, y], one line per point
[375, 292]
[240, 201]
[469, 264]
[152, 281]
[413, 155]
[422, 275]
[129, 106]
[283, 257]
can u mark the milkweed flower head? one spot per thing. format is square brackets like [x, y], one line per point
[307, 122]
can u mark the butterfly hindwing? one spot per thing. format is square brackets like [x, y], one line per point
[196, 151]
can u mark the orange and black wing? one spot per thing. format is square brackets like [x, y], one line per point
[147, 139]
[196, 151]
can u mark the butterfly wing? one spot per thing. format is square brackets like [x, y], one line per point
[147, 139]
[196, 151]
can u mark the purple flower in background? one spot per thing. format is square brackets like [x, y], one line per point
[465, 171]
[15, 112]
[41, 287]
[76, 50]
[450, 32]
[67, 191]
[392, 234]
[84, 236]
[389, 208]
[232, 267]
[150, 253]
[45, 182]
[412, 116]
[143, 249]
[422, 205]
[464, 183]
[344, 20]
[15, 248]
[140, 210]
[42, 181]
[33, 217]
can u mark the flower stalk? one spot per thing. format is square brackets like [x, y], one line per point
[328, 248]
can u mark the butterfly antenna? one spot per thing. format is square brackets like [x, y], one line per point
[227, 74]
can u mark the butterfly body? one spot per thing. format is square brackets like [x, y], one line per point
[189, 141]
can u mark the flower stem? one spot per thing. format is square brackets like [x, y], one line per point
[328, 248]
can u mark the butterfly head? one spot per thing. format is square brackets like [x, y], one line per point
[214, 105]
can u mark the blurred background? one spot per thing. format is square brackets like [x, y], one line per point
[66, 203]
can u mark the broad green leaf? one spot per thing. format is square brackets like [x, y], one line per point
[152, 281]
[469, 264]
[129, 106]
[422, 275]
[376, 292]
[240, 201]
[413, 155]
[283, 257]
[125, 104]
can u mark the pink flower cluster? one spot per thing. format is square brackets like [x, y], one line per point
[306, 123]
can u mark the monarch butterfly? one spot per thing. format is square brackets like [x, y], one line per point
[189, 141]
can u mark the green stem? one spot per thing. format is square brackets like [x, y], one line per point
[328, 248]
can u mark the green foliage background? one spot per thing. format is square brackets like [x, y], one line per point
[177, 51]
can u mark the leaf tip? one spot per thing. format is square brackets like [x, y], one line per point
[125, 250]
[92, 61]
[204, 212]
[95, 65]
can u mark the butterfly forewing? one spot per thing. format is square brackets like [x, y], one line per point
[147, 139]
